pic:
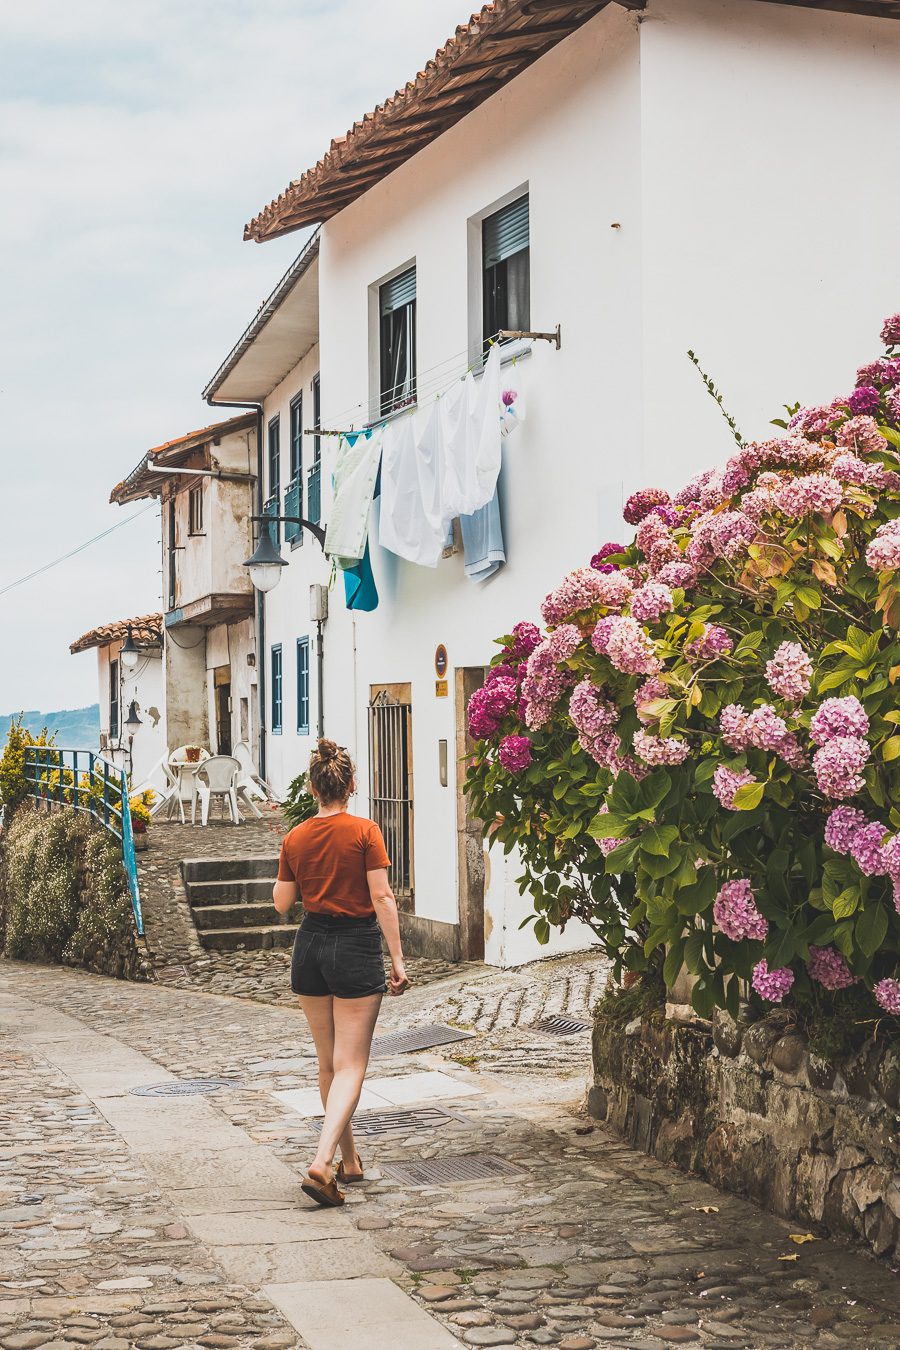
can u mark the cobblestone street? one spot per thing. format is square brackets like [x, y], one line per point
[165, 1221]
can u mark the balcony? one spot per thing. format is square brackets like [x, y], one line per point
[314, 493]
[293, 506]
[273, 508]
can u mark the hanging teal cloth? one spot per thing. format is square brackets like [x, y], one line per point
[359, 584]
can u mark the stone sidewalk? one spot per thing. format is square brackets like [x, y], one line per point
[155, 1222]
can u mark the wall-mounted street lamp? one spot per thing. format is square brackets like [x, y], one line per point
[132, 725]
[129, 654]
[265, 563]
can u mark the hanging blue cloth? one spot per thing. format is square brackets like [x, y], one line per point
[359, 585]
[482, 534]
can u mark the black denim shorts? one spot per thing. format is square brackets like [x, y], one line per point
[339, 955]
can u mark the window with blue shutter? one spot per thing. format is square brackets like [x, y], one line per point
[277, 690]
[505, 255]
[397, 336]
[303, 686]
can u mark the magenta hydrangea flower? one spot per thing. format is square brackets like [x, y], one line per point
[630, 649]
[641, 503]
[599, 563]
[827, 967]
[772, 985]
[866, 849]
[515, 753]
[544, 684]
[865, 399]
[733, 727]
[890, 332]
[838, 767]
[651, 601]
[660, 749]
[726, 783]
[714, 642]
[890, 852]
[736, 914]
[564, 642]
[883, 553]
[648, 692]
[595, 719]
[842, 826]
[483, 723]
[527, 637]
[789, 673]
[887, 993]
[838, 717]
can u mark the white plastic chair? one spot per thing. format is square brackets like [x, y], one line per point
[183, 774]
[220, 773]
[164, 794]
[250, 784]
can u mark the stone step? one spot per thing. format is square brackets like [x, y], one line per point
[229, 869]
[209, 917]
[253, 939]
[218, 892]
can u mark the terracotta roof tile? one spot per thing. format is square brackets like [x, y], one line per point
[146, 630]
[141, 482]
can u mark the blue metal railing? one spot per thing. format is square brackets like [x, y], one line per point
[88, 782]
[314, 493]
[293, 503]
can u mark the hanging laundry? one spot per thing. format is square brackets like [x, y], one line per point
[482, 534]
[471, 440]
[360, 591]
[411, 522]
[355, 472]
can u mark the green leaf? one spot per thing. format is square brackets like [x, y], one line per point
[871, 929]
[608, 825]
[693, 952]
[673, 962]
[748, 797]
[891, 749]
[622, 858]
[846, 903]
[809, 596]
[658, 839]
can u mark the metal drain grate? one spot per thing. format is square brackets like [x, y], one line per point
[560, 1026]
[185, 1087]
[418, 1038]
[405, 1118]
[451, 1171]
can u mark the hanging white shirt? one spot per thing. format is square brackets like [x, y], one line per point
[355, 473]
[410, 523]
[471, 423]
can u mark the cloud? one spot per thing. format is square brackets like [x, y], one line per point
[135, 141]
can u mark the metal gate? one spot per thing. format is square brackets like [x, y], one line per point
[391, 785]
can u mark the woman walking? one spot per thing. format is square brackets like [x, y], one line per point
[336, 864]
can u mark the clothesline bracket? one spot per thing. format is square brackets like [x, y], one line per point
[555, 337]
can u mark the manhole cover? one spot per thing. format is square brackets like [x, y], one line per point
[407, 1118]
[418, 1038]
[560, 1026]
[449, 1171]
[185, 1087]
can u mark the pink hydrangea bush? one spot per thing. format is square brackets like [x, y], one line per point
[699, 752]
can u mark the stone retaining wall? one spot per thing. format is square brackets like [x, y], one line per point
[749, 1109]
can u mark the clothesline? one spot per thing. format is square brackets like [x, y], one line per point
[424, 389]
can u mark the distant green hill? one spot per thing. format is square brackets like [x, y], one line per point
[77, 728]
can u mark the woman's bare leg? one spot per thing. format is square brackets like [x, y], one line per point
[354, 1023]
[319, 1015]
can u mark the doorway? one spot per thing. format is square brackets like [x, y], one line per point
[222, 686]
[391, 782]
[470, 838]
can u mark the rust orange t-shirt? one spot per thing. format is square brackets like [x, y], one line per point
[329, 857]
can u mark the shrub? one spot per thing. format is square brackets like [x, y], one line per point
[14, 787]
[299, 803]
[700, 753]
[64, 896]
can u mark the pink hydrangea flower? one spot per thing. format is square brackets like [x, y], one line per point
[736, 914]
[677, 574]
[838, 767]
[890, 332]
[890, 852]
[861, 434]
[614, 590]
[812, 493]
[726, 783]
[600, 635]
[660, 749]
[733, 727]
[713, 643]
[789, 673]
[564, 642]
[651, 601]
[651, 531]
[648, 692]
[838, 717]
[595, 719]
[842, 826]
[515, 753]
[663, 552]
[883, 553]
[579, 591]
[828, 968]
[887, 993]
[772, 985]
[630, 649]
[766, 730]
[527, 637]
[866, 849]
[599, 560]
[641, 503]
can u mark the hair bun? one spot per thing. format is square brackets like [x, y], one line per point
[327, 749]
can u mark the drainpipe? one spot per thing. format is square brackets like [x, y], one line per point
[261, 666]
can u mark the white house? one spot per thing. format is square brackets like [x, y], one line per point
[642, 178]
[131, 695]
[205, 482]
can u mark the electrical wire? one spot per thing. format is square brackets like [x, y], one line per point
[11, 586]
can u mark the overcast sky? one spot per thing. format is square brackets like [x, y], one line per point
[135, 142]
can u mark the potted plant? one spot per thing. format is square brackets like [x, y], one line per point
[139, 807]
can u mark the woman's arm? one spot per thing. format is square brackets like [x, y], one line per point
[388, 921]
[285, 895]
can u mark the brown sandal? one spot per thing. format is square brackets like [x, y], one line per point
[344, 1179]
[323, 1192]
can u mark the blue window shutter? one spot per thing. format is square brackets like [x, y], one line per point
[505, 232]
[303, 686]
[397, 292]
